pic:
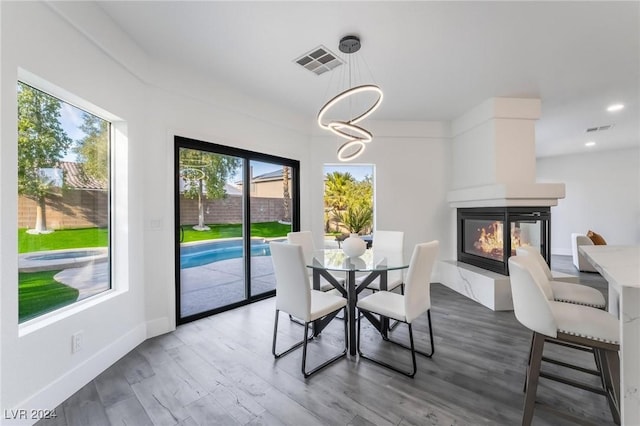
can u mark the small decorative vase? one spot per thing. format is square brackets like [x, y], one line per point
[354, 246]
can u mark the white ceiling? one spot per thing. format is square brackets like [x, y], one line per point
[434, 60]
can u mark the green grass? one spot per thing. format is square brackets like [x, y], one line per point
[234, 230]
[62, 239]
[39, 293]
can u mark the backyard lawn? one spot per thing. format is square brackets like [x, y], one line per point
[39, 293]
[234, 230]
[62, 239]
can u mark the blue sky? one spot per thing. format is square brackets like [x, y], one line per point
[358, 171]
[71, 119]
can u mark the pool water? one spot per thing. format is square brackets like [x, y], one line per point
[66, 255]
[202, 254]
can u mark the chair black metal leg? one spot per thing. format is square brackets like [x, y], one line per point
[295, 346]
[410, 348]
[306, 373]
[395, 324]
[295, 320]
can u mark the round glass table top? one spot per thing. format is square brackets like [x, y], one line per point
[371, 260]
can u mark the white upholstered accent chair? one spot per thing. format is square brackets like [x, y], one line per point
[563, 291]
[406, 307]
[391, 242]
[295, 297]
[567, 323]
[305, 239]
[579, 261]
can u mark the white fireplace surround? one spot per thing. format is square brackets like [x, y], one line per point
[494, 165]
[494, 157]
[507, 195]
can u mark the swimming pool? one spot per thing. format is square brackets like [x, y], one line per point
[71, 254]
[54, 260]
[215, 251]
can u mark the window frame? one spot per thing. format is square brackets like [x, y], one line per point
[117, 135]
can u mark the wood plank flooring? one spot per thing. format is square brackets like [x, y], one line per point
[220, 371]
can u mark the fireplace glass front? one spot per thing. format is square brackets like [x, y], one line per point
[485, 241]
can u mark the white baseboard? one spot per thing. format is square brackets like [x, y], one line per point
[562, 251]
[66, 385]
[159, 326]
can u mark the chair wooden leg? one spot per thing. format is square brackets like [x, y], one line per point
[610, 368]
[524, 387]
[533, 373]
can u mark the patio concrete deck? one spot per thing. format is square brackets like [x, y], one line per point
[203, 287]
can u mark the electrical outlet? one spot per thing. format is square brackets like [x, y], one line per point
[76, 342]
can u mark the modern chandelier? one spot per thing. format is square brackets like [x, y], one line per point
[356, 137]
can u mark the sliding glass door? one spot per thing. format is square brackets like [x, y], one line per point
[230, 204]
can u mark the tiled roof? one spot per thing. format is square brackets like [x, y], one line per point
[231, 189]
[269, 176]
[274, 175]
[76, 178]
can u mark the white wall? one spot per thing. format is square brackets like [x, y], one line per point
[73, 47]
[412, 164]
[602, 194]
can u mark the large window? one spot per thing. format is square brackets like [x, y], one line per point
[348, 200]
[63, 203]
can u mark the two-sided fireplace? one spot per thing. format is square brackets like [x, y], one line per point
[488, 236]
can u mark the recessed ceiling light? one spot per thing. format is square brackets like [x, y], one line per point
[590, 143]
[615, 107]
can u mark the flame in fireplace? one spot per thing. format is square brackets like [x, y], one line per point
[490, 240]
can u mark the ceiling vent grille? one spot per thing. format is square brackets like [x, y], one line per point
[319, 60]
[599, 128]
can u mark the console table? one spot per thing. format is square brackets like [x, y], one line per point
[620, 266]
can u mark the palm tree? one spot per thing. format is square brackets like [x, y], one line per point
[337, 189]
[286, 197]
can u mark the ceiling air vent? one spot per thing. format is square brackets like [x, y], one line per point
[599, 128]
[319, 60]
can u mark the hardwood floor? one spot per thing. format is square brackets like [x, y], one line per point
[220, 371]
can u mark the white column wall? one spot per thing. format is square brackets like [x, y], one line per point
[602, 194]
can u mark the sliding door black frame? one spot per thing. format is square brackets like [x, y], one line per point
[246, 156]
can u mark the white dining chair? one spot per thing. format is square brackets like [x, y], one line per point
[578, 294]
[573, 324]
[295, 297]
[305, 239]
[560, 291]
[406, 307]
[387, 242]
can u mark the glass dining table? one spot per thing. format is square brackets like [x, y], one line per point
[359, 272]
